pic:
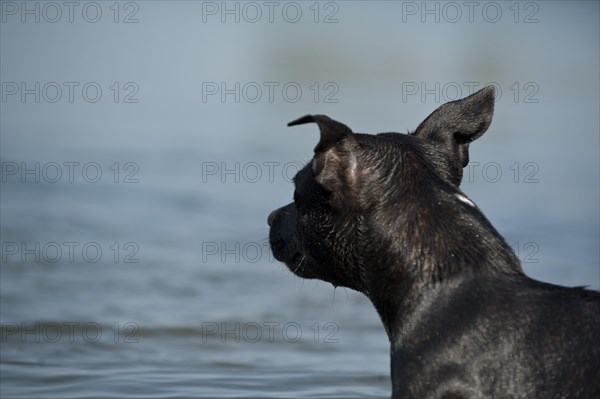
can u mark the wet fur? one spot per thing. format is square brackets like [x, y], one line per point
[382, 214]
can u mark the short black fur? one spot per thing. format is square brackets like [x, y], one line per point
[383, 214]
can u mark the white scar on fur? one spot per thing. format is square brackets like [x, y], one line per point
[464, 199]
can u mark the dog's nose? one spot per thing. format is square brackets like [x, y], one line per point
[271, 217]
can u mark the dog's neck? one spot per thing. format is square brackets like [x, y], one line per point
[439, 253]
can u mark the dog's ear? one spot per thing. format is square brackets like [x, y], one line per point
[334, 165]
[457, 123]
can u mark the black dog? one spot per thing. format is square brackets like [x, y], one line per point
[383, 215]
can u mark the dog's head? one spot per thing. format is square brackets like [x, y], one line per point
[365, 199]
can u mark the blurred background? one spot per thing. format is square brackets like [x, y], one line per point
[143, 145]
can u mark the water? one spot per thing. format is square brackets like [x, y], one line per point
[164, 316]
[157, 281]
